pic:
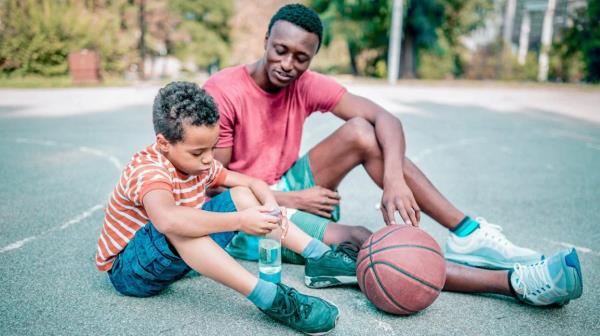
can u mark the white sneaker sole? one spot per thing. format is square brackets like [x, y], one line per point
[324, 282]
[481, 262]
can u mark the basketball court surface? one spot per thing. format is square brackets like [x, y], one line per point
[525, 158]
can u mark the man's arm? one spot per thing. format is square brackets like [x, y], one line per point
[397, 196]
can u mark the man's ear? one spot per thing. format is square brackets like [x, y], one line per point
[266, 40]
[163, 143]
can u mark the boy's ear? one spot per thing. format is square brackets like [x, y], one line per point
[163, 143]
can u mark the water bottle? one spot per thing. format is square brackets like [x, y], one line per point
[269, 253]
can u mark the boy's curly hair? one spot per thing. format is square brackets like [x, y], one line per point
[300, 16]
[182, 102]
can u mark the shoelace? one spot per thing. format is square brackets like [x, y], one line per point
[493, 231]
[532, 280]
[291, 305]
[348, 250]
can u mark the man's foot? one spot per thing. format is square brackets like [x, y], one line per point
[335, 267]
[554, 281]
[487, 247]
[308, 314]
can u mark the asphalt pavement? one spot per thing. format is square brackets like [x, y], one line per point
[525, 158]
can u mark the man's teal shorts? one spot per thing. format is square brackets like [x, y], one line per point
[298, 177]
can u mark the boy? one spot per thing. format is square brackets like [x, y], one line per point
[158, 226]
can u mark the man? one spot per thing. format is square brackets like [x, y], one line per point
[263, 106]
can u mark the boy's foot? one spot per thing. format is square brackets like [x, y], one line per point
[335, 267]
[554, 281]
[487, 247]
[308, 314]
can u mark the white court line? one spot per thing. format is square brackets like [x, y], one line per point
[80, 217]
[428, 151]
[84, 149]
[569, 245]
[17, 244]
[77, 219]
[102, 154]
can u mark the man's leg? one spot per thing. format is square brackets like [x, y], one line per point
[354, 144]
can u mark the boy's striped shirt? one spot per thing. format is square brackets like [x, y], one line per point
[148, 170]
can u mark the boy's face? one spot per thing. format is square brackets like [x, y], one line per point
[192, 155]
[288, 52]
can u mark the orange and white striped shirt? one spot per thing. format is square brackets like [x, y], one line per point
[148, 170]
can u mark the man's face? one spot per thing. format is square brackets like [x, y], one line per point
[289, 50]
[192, 155]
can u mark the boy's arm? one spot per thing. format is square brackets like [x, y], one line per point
[169, 218]
[302, 200]
[258, 187]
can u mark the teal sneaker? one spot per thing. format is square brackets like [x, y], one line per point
[487, 247]
[308, 314]
[334, 268]
[554, 281]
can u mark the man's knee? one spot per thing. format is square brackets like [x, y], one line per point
[361, 134]
[359, 234]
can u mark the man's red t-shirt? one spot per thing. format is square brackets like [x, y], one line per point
[265, 129]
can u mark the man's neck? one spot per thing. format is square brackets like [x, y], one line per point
[259, 74]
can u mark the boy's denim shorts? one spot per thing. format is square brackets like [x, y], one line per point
[148, 264]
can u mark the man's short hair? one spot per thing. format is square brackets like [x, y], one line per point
[182, 102]
[300, 16]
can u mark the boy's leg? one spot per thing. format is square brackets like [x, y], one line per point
[324, 267]
[208, 258]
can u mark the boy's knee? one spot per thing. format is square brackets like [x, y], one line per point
[243, 197]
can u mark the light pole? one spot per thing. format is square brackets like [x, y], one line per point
[395, 39]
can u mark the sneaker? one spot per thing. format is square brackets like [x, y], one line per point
[308, 314]
[334, 268]
[487, 247]
[554, 281]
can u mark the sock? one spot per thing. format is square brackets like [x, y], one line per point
[466, 227]
[315, 249]
[263, 294]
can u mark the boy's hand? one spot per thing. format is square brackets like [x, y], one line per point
[257, 221]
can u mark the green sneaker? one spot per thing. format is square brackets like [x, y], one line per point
[334, 268]
[308, 314]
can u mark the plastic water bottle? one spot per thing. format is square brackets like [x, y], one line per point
[269, 253]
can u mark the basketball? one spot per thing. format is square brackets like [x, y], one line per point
[401, 269]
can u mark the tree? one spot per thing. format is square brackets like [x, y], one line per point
[202, 31]
[364, 24]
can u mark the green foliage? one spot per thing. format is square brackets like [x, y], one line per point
[364, 24]
[205, 29]
[437, 63]
[580, 46]
[38, 35]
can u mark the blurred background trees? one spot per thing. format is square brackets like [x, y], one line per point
[441, 38]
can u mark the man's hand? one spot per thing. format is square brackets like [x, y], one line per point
[399, 197]
[317, 200]
[257, 221]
